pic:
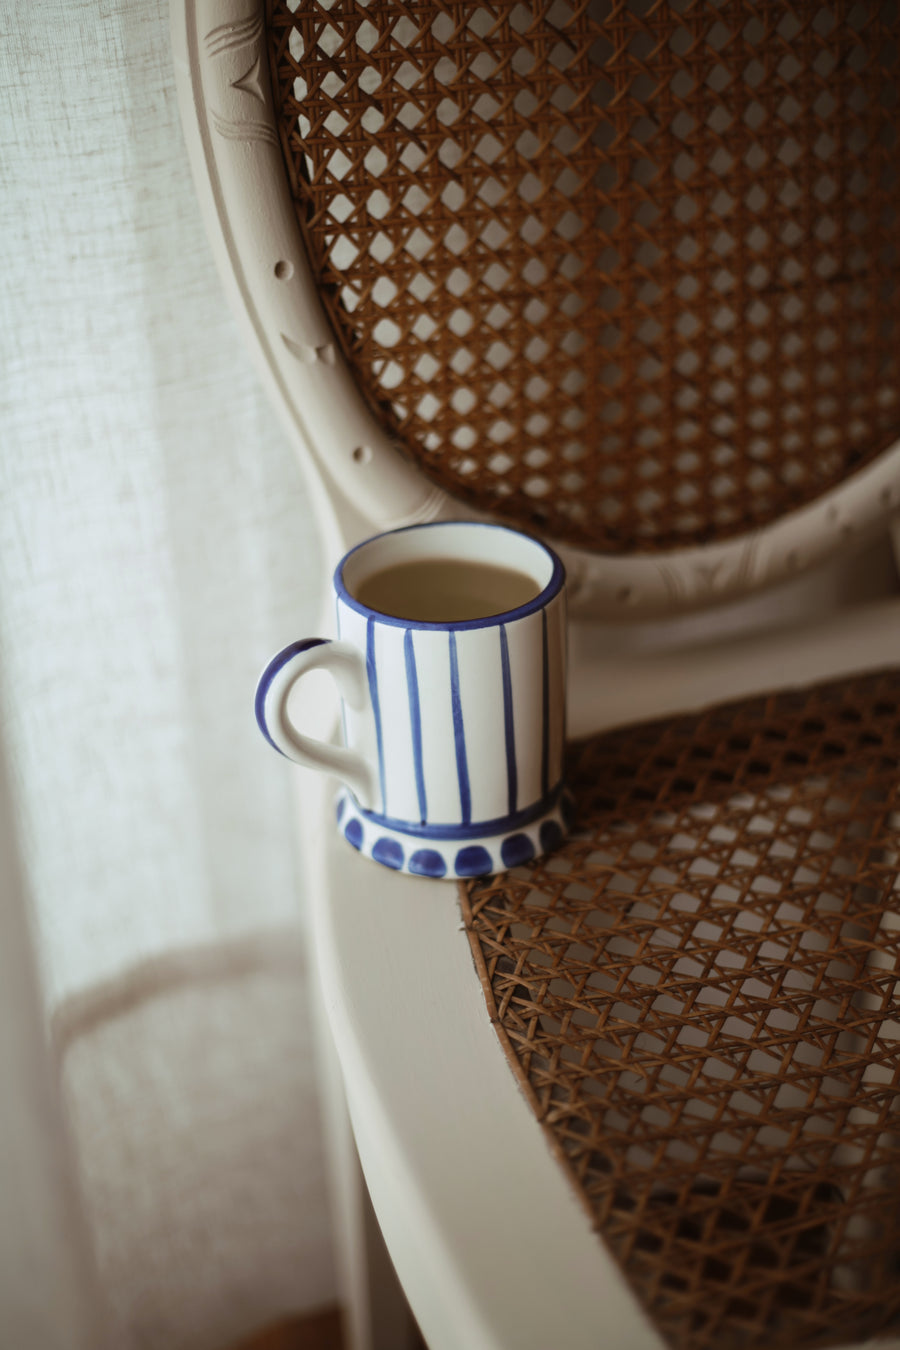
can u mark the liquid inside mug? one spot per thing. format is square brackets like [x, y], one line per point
[451, 663]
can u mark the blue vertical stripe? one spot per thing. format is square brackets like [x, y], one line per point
[415, 721]
[511, 771]
[545, 710]
[459, 735]
[372, 672]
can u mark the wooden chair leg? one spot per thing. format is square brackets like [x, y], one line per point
[376, 1315]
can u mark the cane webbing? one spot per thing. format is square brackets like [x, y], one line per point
[626, 272]
[699, 995]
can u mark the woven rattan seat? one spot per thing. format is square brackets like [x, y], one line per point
[698, 994]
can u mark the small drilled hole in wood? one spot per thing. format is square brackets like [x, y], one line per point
[284, 269]
[362, 454]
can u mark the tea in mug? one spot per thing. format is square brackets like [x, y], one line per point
[445, 590]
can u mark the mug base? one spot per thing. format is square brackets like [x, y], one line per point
[452, 859]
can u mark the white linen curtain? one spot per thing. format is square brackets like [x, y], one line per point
[156, 544]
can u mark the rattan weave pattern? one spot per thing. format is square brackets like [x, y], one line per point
[699, 996]
[623, 270]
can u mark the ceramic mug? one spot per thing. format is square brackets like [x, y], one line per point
[452, 762]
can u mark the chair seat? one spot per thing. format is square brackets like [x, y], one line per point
[491, 1245]
[697, 994]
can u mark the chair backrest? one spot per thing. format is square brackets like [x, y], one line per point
[625, 274]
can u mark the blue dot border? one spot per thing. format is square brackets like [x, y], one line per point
[451, 859]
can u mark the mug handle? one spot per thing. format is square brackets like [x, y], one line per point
[348, 667]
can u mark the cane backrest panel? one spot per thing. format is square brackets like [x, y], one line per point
[622, 271]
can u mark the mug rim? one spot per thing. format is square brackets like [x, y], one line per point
[539, 602]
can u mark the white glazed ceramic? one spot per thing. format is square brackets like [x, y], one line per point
[454, 732]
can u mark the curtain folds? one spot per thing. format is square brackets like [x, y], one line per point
[156, 544]
[49, 1292]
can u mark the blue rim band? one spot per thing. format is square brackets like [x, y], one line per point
[553, 587]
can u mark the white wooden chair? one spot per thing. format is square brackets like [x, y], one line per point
[491, 1244]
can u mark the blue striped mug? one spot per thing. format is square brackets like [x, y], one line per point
[454, 728]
